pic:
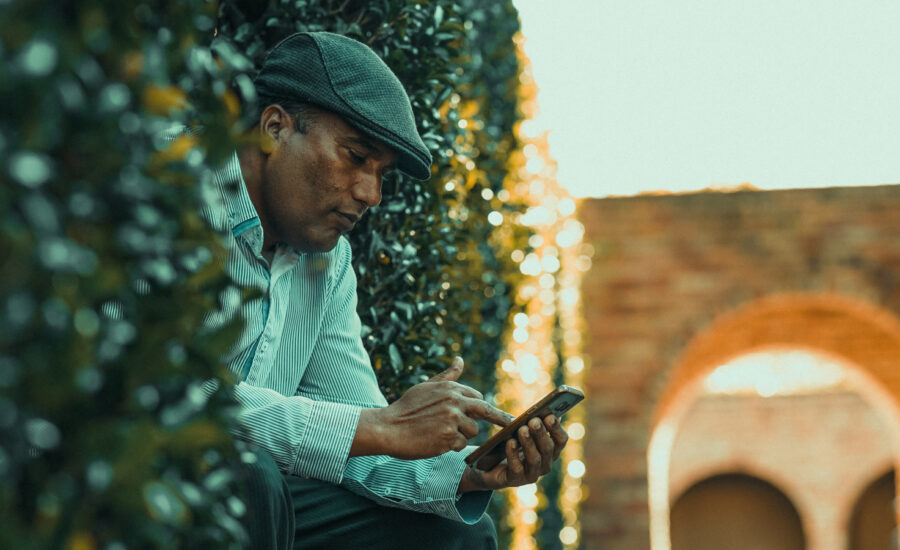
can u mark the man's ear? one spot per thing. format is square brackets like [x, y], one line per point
[273, 121]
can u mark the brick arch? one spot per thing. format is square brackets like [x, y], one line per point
[772, 477]
[665, 268]
[863, 337]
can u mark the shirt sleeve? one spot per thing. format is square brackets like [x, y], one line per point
[428, 485]
[305, 437]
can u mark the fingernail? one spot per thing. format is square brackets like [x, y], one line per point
[551, 421]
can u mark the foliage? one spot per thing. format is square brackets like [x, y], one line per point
[108, 270]
[433, 282]
[107, 273]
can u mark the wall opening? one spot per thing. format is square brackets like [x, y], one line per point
[872, 523]
[737, 512]
[781, 365]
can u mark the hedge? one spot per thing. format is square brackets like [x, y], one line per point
[108, 270]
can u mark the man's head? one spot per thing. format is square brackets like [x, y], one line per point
[333, 119]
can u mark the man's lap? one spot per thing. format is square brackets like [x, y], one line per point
[328, 516]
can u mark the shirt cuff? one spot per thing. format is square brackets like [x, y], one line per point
[325, 445]
[442, 485]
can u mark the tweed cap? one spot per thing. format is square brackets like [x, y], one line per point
[347, 78]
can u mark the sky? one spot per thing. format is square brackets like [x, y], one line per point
[682, 95]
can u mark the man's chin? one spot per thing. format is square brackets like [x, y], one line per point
[316, 245]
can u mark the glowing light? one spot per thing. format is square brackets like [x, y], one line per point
[566, 206]
[550, 264]
[573, 494]
[548, 297]
[495, 218]
[583, 263]
[520, 335]
[575, 430]
[529, 517]
[527, 494]
[449, 186]
[535, 165]
[574, 365]
[531, 265]
[776, 373]
[569, 296]
[536, 215]
[547, 281]
[487, 194]
[576, 469]
[568, 535]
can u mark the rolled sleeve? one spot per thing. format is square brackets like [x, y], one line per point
[325, 444]
[441, 487]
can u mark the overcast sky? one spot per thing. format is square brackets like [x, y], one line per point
[679, 95]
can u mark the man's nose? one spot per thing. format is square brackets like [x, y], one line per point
[368, 190]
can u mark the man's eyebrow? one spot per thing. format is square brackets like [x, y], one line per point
[367, 144]
[372, 149]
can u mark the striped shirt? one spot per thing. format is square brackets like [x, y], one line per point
[304, 373]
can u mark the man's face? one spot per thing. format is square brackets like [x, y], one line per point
[315, 186]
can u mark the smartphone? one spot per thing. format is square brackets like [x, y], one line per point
[493, 451]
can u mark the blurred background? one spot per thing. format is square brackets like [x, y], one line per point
[687, 209]
[735, 166]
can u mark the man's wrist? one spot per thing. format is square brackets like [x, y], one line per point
[472, 480]
[370, 437]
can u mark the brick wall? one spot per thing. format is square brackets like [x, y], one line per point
[821, 450]
[669, 269]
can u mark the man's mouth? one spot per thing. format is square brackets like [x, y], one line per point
[349, 220]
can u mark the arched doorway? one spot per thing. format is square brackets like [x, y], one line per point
[863, 337]
[737, 512]
[872, 522]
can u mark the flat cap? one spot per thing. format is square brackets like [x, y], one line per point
[346, 77]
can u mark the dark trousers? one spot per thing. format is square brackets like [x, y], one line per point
[288, 512]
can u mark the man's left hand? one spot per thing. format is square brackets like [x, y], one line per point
[528, 456]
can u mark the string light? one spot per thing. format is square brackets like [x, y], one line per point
[549, 293]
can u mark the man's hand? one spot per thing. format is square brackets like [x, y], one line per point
[430, 419]
[528, 457]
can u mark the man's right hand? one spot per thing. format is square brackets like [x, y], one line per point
[430, 419]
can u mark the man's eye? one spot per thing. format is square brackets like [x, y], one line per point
[356, 157]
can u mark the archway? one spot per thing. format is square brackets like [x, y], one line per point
[863, 337]
[871, 523]
[738, 512]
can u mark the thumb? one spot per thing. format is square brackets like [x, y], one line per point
[452, 373]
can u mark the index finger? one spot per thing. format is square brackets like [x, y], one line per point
[478, 408]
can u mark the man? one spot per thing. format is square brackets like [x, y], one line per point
[336, 465]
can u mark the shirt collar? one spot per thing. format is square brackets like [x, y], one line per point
[241, 212]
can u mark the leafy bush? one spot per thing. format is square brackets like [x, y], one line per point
[108, 270]
[107, 273]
